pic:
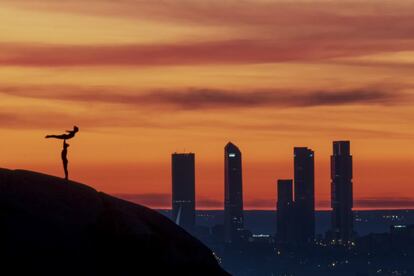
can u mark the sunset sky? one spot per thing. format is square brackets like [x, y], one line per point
[144, 79]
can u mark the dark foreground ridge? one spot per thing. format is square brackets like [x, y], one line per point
[49, 226]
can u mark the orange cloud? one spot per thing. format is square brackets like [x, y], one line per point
[215, 52]
[366, 15]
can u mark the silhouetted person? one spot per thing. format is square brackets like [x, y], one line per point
[65, 158]
[68, 135]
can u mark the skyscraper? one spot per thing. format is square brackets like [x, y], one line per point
[304, 171]
[341, 191]
[233, 194]
[285, 211]
[183, 189]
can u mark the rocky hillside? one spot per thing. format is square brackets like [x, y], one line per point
[49, 226]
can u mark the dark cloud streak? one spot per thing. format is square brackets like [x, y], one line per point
[238, 51]
[205, 98]
[199, 99]
[52, 119]
[377, 203]
[385, 202]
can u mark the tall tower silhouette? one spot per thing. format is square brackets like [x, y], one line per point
[304, 171]
[341, 191]
[285, 211]
[183, 189]
[233, 194]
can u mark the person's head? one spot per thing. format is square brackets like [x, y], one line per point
[65, 145]
[75, 128]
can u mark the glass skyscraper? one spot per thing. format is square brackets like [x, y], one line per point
[341, 191]
[183, 189]
[285, 211]
[304, 171]
[233, 195]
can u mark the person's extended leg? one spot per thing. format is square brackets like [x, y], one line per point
[55, 136]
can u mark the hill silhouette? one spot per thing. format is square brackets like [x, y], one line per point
[49, 226]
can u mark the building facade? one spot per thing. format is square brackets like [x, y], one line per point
[304, 178]
[233, 194]
[285, 211]
[183, 189]
[341, 191]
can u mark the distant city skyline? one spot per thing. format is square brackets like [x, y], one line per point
[143, 79]
[341, 171]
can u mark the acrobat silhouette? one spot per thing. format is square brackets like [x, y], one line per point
[68, 135]
[65, 159]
